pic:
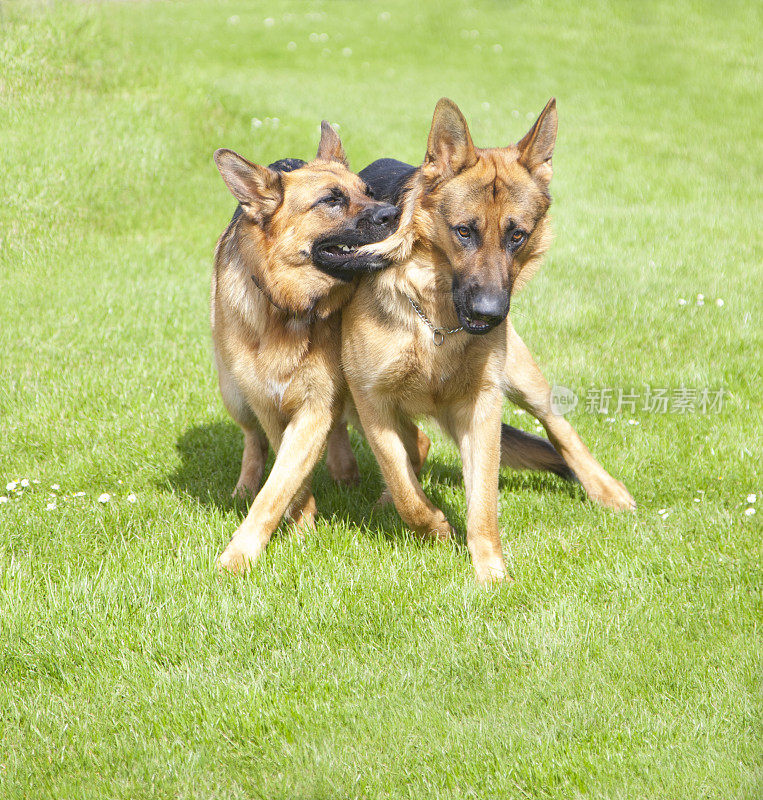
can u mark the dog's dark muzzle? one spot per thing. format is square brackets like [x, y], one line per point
[480, 309]
[337, 254]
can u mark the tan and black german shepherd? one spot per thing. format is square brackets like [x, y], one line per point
[431, 335]
[284, 267]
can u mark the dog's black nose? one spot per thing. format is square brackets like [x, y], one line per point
[385, 214]
[489, 306]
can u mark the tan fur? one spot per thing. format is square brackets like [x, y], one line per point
[396, 372]
[276, 334]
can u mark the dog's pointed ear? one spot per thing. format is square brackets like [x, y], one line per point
[330, 147]
[537, 146]
[258, 189]
[449, 148]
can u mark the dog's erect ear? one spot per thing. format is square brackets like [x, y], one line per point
[330, 147]
[537, 145]
[258, 189]
[449, 147]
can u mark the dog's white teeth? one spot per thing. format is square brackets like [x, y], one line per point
[347, 249]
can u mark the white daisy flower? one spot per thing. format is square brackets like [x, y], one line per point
[3, 499]
[749, 511]
[25, 483]
[681, 301]
[131, 498]
[51, 506]
[11, 486]
[78, 494]
[55, 488]
[104, 498]
[719, 302]
[751, 498]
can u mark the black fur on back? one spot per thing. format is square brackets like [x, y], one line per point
[387, 178]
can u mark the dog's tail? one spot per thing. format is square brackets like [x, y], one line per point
[520, 450]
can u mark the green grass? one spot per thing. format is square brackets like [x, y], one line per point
[624, 662]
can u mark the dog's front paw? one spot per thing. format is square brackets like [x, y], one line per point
[245, 491]
[492, 570]
[610, 493]
[239, 555]
[438, 530]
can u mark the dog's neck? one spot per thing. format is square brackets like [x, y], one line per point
[418, 278]
[284, 290]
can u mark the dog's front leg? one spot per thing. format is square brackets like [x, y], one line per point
[381, 426]
[476, 429]
[300, 448]
[525, 385]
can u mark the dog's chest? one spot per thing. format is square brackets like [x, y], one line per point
[423, 376]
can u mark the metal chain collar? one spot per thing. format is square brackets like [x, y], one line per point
[438, 334]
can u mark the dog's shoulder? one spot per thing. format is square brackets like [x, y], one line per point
[387, 178]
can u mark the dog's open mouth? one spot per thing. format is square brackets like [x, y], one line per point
[338, 252]
[340, 258]
[476, 326]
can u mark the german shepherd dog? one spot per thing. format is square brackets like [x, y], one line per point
[431, 335]
[284, 266]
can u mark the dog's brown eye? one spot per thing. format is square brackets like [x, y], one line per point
[518, 237]
[463, 232]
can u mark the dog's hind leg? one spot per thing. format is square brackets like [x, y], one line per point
[303, 509]
[255, 442]
[525, 385]
[252, 463]
[340, 460]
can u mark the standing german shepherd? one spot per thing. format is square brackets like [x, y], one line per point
[284, 266]
[430, 335]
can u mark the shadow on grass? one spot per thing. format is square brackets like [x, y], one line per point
[211, 458]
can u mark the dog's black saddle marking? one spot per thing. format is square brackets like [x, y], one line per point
[387, 178]
[282, 165]
[287, 164]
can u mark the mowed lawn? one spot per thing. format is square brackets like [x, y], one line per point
[625, 659]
